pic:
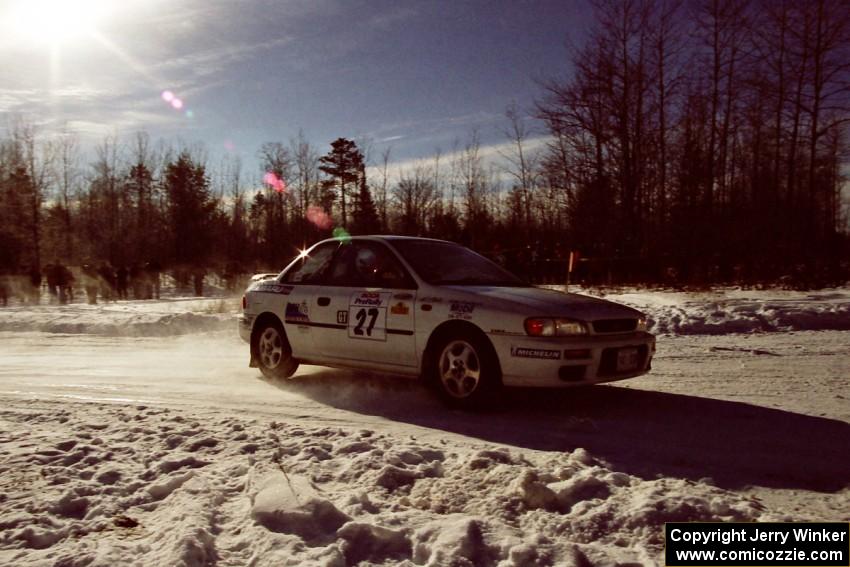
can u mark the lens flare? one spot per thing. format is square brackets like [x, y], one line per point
[274, 182]
[342, 234]
[176, 102]
[319, 217]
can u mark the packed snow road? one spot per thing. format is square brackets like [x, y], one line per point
[767, 410]
[136, 434]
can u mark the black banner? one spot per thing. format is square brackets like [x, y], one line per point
[757, 544]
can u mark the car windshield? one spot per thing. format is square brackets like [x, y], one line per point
[444, 263]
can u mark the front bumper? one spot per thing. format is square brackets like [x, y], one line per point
[552, 362]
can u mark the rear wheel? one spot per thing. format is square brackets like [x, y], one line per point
[465, 370]
[273, 353]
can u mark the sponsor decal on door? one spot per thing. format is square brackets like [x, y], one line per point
[400, 308]
[297, 312]
[367, 315]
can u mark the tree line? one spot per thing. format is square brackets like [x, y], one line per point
[691, 143]
[706, 138]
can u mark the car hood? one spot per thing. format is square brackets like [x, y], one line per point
[547, 302]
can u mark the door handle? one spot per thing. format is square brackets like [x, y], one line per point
[324, 301]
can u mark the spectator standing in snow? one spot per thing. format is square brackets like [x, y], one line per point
[198, 278]
[4, 287]
[121, 282]
[61, 279]
[136, 280]
[90, 284]
[107, 281]
[152, 270]
[33, 294]
[51, 275]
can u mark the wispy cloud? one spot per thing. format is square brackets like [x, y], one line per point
[492, 157]
[116, 124]
[423, 129]
[208, 62]
[12, 99]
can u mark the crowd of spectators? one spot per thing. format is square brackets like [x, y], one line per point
[60, 284]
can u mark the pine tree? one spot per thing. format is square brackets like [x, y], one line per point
[12, 229]
[191, 210]
[365, 216]
[342, 164]
[139, 183]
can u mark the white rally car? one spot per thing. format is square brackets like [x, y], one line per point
[431, 308]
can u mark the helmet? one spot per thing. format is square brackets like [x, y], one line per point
[366, 262]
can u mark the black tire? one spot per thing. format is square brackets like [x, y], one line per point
[464, 370]
[272, 351]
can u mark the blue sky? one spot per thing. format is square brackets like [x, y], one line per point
[411, 75]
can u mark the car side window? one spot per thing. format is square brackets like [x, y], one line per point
[390, 273]
[313, 266]
[368, 264]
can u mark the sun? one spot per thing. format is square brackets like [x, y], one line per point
[56, 21]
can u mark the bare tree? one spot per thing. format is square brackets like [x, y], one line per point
[37, 161]
[828, 100]
[383, 184]
[723, 24]
[471, 175]
[415, 196]
[306, 175]
[667, 46]
[106, 217]
[68, 183]
[522, 164]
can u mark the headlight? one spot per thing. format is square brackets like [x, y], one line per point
[569, 327]
[641, 323]
[540, 327]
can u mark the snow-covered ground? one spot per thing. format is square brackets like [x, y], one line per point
[162, 317]
[704, 313]
[134, 433]
[734, 310]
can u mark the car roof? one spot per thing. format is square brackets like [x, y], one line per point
[391, 238]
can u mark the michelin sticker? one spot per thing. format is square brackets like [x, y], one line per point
[367, 315]
[523, 352]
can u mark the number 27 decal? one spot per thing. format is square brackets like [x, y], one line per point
[361, 316]
[367, 316]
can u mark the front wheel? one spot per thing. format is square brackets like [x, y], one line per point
[273, 353]
[465, 371]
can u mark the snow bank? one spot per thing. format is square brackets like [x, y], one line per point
[124, 318]
[670, 312]
[735, 310]
[104, 485]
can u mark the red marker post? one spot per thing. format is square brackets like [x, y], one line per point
[574, 256]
